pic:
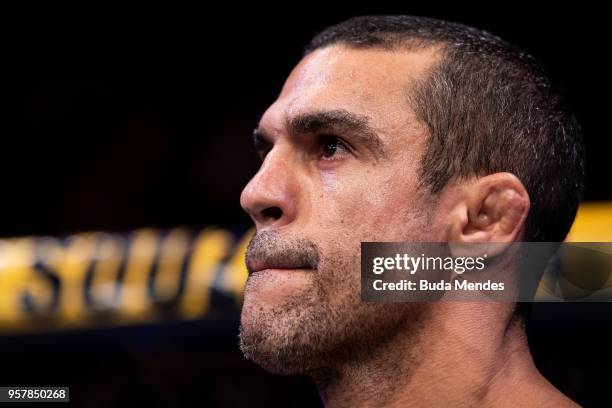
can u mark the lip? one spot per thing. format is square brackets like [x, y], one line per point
[260, 268]
[255, 266]
[280, 270]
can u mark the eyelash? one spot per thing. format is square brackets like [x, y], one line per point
[326, 140]
[262, 147]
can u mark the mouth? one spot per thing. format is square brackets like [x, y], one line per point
[255, 266]
[275, 284]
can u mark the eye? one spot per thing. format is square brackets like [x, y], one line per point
[332, 146]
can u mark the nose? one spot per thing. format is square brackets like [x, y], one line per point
[271, 197]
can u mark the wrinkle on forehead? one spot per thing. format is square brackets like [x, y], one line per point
[371, 82]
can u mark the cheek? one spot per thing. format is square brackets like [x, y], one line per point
[373, 205]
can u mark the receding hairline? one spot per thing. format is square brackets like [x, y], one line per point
[389, 41]
[436, 54]
[436, 50]
[433, 53]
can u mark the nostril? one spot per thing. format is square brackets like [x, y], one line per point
[272, 212]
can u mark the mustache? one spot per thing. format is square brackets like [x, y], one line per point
[269, 250]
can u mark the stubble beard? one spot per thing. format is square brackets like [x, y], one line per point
[320, 327]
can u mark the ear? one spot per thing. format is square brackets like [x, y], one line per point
[490, 209]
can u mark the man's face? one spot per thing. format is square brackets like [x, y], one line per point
[341, 151]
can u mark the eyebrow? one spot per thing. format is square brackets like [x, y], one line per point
[338, 120]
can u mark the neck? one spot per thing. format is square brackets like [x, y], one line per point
[461, 355]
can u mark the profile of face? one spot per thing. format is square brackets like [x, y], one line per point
[340, 152]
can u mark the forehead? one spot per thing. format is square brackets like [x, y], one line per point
[374, 83]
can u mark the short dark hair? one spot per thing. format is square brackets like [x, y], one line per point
[489, 107]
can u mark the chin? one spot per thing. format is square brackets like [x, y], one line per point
[274, 348]
[284, 337]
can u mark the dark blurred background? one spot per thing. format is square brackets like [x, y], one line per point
[144, 119]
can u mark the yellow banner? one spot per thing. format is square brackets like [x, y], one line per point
[105, 279]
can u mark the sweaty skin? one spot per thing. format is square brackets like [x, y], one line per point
[341, 152]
